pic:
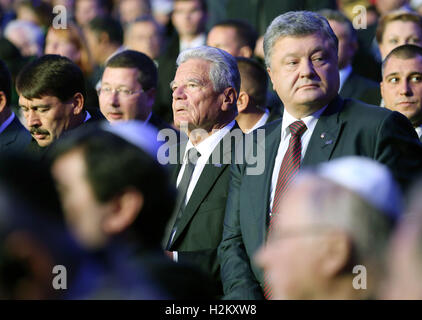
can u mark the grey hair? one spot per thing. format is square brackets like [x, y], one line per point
[296, 23]
[33, 32]
[224, 72]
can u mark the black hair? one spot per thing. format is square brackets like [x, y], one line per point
[135, 59]
[246, 33]
[50, 75]
[5, 82]
[110, 26]
[114, 165]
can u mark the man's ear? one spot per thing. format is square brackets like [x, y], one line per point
[382, 88]
[270, 75]
[336, 253]
[229, 98]
[124, 210]
[3, 101]
[78, 103]
[246, 52]
[242, 101]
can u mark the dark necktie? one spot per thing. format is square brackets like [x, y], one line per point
[182, 189]
[288, 169]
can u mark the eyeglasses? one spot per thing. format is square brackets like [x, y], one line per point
[124, 93]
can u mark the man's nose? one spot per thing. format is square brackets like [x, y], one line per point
[179, 93]
[405, 89]
[33, 119]
[307, 69]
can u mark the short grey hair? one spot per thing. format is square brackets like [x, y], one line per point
[224, 72]
[296, 23]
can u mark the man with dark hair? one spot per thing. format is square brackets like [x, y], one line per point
[352, 85]
[13, 136]
[251, 102]
[51, 96]
[237, 37]
[104, 37]
[128, 89]
[401, 85]
[113, 189]
[317, 126]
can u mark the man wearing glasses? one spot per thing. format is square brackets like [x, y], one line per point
[128, 89]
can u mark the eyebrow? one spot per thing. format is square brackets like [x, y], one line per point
[41, 106]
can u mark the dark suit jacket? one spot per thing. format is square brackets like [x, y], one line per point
[200, 226]
[360, 88]
[15, 138]
[347, 127]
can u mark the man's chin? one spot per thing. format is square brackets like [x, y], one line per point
[43, 142]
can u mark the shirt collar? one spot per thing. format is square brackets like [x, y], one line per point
[200, 40]
[5, 124]
[344, 74]
[261, 121]
[419, 131]
[310, 121]
[207, 146]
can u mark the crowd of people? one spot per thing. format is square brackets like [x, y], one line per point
[194, 149]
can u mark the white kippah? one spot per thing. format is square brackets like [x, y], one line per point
[371, 180]
[139, 133]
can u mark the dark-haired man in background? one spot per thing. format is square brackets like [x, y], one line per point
[104, 36]
[51, 96]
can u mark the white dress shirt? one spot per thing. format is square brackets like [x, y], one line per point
[419, 131]
[261, 121]
[205, 148]
[288, 119]
[200, 40]
[344, 74]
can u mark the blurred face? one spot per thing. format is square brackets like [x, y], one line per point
[55, 44]
[304, 72]
[224, 38]
[398, 33]
[401, 87]
[26, 46]
[404, 265]
[188, 17]
[47, 118]
[144, 37]
[290, 259]
[84, 214]
[86, 10]
[93, 45]
[194, 100]
[131, 9]
[128, 104]
[346, 46]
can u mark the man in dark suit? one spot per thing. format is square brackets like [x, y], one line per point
[401, 85]
[317, 125]
[13, 135]
[204, 106]
[128, 89]
[51, 97]
[352, 85]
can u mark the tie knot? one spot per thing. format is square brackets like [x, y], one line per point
[193, 155]
[297, 128]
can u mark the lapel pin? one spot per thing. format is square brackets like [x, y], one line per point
[218, 165]
[329, 142]
[323, 135]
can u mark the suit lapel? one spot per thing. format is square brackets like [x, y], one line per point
[206, 181]
[10, 133]
[325, 135]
